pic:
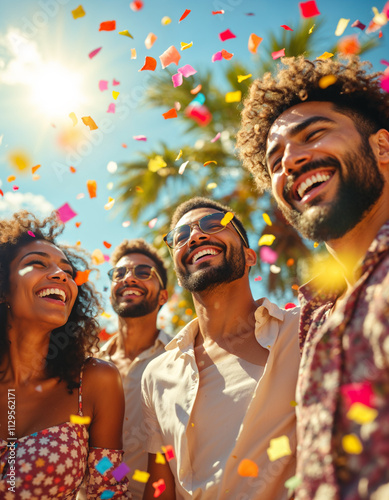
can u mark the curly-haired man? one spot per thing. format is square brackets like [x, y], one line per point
[317, 135]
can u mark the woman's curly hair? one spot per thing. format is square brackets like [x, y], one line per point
[354, 92]
[71, 343]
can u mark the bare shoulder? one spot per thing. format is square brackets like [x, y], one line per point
[101, 375]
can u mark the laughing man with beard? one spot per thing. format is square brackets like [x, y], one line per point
[223, 389]
[317, 135]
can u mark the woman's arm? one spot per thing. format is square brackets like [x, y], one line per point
[158, 472]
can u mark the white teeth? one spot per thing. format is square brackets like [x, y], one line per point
[131, 292]
[53, 291]
[311, 180]
[197, 255]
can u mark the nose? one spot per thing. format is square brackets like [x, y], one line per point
[58, 274]
[294, 157]
[196, 234]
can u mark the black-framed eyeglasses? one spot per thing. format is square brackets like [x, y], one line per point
[209, 224]
[142, 272]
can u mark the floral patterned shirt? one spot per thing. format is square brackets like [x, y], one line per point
[343, 388]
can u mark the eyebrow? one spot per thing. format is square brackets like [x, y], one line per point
[296, 129]
[44, 254]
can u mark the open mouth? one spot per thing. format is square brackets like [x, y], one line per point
[54, 294]
[131, 291]
[311, 182]
[204, 254]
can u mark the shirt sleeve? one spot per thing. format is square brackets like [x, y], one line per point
[105, 474]
[154, 440]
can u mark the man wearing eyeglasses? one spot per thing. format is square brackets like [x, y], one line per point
[138, 291]
[219, 401]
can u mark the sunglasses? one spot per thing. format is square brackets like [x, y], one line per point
[209, 224]
[141, 272]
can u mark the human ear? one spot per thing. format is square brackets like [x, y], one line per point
[380, 144]
[251, 257]
[163, 296]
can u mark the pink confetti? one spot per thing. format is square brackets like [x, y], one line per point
[139, 137]
[384, 62]
[266, 254]
[289, 305]
[152, 222]
[385, 82]
[106, 257]
[359, 392]
[111, 108]
[217, 56]
[309, 9]
[94, 52]
[278, 54]
[286, 27]
[15, 188]
[187, 70]
[115, 82]
[31, 234]
[217, 136]
[65, 213]
[226, 35]
[103, 85]
[358, 24]
[177, 79]
[258, 278]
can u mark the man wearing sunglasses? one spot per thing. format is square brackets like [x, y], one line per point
[138, 291]
[224, 388]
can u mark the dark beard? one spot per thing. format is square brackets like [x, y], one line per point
[208, 277]
[359, 189]
[125, 310]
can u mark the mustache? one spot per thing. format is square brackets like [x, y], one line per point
[205, 244]
[307, 167]
[124, 287]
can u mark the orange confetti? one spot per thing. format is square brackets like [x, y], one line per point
[295, 287]
[88, 121]
[107, 26]
[150, 64]
[133, 53]
[172, 113]
[72, 170]
[290, 262]
[78, 224]
[248, 468]
[34, 169]
[106, 244]
[254, 41]
[82, 277]
[227, 55]
[139, 189]
[186, 13]
[210, 161]
[92, 188]
[150, 40]
[78, 12]
[196, 90]
[11, 178]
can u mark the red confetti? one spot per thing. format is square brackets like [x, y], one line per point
[309, 9]
[106, 244]
[1, 193]
[136, 5]
[15, 188]
[169, 452]
[278, 54]
[150, 64]
[286, 27]
[214, 12]
[107, 26]
[290, 305]
[187, 12]
[172, 113]
[159, 487]
[226, 35]
[104, 335]
[380, 34]
[115, 82]
[94, 52]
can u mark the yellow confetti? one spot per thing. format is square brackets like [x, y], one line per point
[279, 447]
[234, 96]
[326, 55]
[166, 20]
[211, 185]
[266, 239]
[185, 46]
[351, 444]
[126, 33]
[379, 18]
[316, 244]
[139, 189]
[156, 163]
[115, 94]
[266, 218]
[11, 178]
[209, 162]
[342, 25]
[78, 12]
[89, 122]
[73, 117]
[110, 203]
[179, 155]
[361, 413]
[227, 218]
[140, 476]
[106, 315]
[160, 459]
[77, 419]
[311, 29]
[243, 77]
[19, 160]
[133, 53]
[293, 403]
[326, 81]
[97, 257]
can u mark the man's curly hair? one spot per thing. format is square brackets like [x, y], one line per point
[71, 343]
[139, 245]
[355, 93]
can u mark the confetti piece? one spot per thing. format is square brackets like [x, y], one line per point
[254, 41]
[361, 392]
[258, 278]
[136, 5]
[311, 29]
[126, 33]
[115, 82]
[342, 25]
[15, 188]
[115, 94]
[156, 163]
[72, 170]
[172, 113]
[184, 15]
[351, 444]
[19, 160]
[74, 119]
[295, 287]
[150, 40]
[292, 483]
[233, 96]
[290, 262]
[140, 476]
[126, 223]
[92, 188]
[226, 55]
[279, 447]
[211, 185]
[107, 494]
[289, 305]
[268, 255]
[286, 27]
[88, 121]
[200, 114]
[358, 24]
[36, 177]
[139, 138]
[103, 465]
[196, 89]
[105, 315]
[26, 270]
[326, 81]
[133, 53]
[78, 224]
[65, 213]
[349, 45]
[159, 487]
[31, 234]
[361, 414]
[1, 193]
[169, 452]
[94, 52]
[177, 80]
[179, 155]
[185, 46]
[111, 108]
[267, 219]
[160, 459]
[152, 222]
[170, 56]
[97, 257]
[326, 55]
[309, 9]
[217, 56]
[275, 269]
[293, 403]
[150, 64]
[243, 77]
[120, 471]
[226, 35]
[112, 166]
[110, 204]
[107, 26]
[315, 244]
[34, 169]
[182, 168]
[209, 162]
[214, 12]
[278, 54]
[248, 468]
[266, 239]
[78, 12]
[227, 218]
[78, 419]
[187, 70]
[166, 20]
[139, 189]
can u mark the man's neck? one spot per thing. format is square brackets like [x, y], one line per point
[135, 335]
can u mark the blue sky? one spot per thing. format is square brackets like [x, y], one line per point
[37, 37]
